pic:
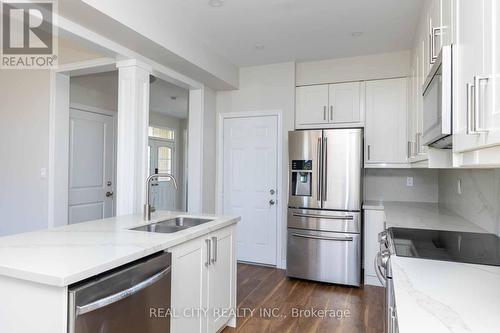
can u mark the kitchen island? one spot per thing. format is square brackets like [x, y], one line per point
[37, 268]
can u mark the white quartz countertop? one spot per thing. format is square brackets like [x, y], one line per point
[421, 215]
[439, 296]
[65, 255]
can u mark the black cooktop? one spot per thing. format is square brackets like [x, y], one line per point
[468, 247]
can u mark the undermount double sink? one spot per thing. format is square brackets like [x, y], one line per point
[172, 225]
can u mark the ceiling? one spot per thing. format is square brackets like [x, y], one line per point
[160, 99]
[256, 32]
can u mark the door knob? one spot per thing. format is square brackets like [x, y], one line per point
[272, 202]
[109, 194]
[272, 191]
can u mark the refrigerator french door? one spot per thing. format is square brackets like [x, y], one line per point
[325, 169]
[324, 206]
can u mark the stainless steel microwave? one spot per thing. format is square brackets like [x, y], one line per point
[437, 96]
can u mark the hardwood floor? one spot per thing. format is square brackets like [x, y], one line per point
[268, 301]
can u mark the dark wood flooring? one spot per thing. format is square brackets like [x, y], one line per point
[276, 301]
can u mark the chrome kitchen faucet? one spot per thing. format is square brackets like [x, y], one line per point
[148, 208]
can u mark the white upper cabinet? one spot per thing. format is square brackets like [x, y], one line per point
[344, 103]
[329, 105]
[312, 105]
[385, 130]
[476, 111]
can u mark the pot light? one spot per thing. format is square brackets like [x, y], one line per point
[357, 34]
[259, 46]
[216, 3]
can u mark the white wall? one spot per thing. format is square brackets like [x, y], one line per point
[390, 185]
[95, 90]
[269, 87]
[24, 140]
[480, 199]
[209, 151]
[369, 67]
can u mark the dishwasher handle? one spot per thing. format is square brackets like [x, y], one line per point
[80, 310]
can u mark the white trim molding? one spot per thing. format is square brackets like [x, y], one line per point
[281, 208]
[132, 136]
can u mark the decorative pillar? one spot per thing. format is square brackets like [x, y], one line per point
[132, 136]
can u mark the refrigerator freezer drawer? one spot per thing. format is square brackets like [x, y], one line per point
[324, 256]
[323, 220]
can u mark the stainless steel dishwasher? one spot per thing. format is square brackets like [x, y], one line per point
[132, 299]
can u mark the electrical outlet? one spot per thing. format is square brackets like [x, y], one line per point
[459, 186]
[409, 181]
[43, 173]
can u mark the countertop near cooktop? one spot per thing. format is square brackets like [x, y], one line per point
[421, 215]
[440, 296]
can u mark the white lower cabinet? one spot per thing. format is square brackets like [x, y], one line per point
[373, 225]
[204, 283]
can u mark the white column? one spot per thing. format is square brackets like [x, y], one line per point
[132, 136]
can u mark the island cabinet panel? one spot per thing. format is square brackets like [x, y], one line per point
[189, 287]
[32, 307]
[204, 283]
[222, 276]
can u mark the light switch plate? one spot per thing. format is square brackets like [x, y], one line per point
[409, 181]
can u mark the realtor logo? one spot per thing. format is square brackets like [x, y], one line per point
[28, 35]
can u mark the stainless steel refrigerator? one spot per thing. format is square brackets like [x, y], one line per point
[324, 205]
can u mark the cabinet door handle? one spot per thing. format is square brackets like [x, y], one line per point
[331, 112]
[470, 127]
[408, 149]
[478, 103]
[209, 251]
[434, 33]
[368, 148]
[214, 252]
[324, 112]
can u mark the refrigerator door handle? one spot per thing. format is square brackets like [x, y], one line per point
[325, 170]
[319, 146]
[326, 217]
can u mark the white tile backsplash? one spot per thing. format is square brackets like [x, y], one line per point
[480, 198]
[391, 185]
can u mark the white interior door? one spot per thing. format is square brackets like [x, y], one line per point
[91, 166]
[161, 160]
[250, 170]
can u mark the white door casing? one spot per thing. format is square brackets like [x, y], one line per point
[91, 166]
[249, 177]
